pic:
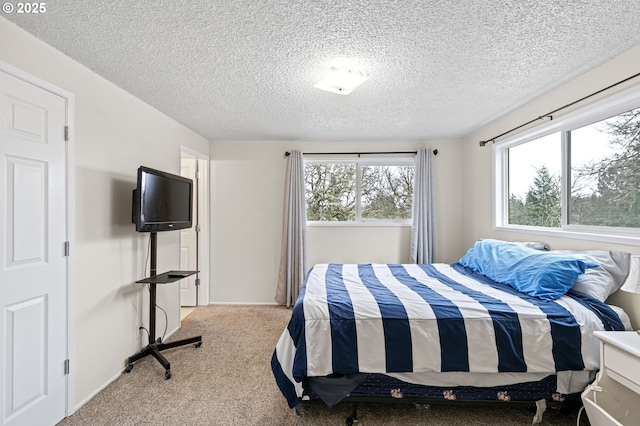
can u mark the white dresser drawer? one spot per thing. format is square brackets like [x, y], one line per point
[624, 365]
[614, 400]
[620, 351]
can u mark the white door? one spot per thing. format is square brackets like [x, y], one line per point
[33, 266]
[188, 238]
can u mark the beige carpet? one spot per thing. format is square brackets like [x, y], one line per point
[228, 381]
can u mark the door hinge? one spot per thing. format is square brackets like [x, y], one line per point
[66, 366]
[198, 228]
[198, 174]
[197, 282]
[67, 248]
[66, 133]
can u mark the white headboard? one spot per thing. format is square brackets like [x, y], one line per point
[628, 297]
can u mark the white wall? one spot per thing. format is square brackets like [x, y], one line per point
[247, 196]
[358, 244]
[114, 134]
[477, 161]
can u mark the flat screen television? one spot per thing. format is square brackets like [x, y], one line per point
[161, 201]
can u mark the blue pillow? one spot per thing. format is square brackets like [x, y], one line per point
[545, 275]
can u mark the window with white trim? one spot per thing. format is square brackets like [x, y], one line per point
[350, 191]
[578, 174]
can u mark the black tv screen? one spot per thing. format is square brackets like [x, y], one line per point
[161, 201]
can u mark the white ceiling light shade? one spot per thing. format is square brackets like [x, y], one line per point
[342, 80]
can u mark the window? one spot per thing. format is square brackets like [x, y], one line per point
[355, 191]
[605, 172]
[330, 191]
[534, 182]
[575, 175]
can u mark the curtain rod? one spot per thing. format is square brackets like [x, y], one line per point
[549, 115]
[286, 154]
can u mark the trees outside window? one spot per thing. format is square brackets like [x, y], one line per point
[541, 205]
[606, 182]
[330, 191]
[534, 182]
[359, 191]
[387, 192]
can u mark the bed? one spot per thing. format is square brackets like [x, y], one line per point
[507, 322]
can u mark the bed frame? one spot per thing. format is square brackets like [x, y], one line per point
[378, 388]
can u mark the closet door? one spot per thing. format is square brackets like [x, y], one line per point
[33, 256]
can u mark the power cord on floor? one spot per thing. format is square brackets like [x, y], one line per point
[579, 415]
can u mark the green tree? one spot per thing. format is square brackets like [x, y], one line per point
[330, 191]
[517, 210]
[387, 192]
[543, 200]
[541, 205]
[616, 200]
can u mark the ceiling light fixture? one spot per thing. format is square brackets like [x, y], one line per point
[342, 80]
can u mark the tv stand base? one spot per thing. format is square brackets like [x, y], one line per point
[154, 349]
[156, 346]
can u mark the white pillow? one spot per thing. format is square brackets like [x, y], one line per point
[632, 283]
[602, 281]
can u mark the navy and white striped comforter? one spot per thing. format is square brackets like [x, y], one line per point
[430, 318]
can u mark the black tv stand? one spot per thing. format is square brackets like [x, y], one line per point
[156, 346]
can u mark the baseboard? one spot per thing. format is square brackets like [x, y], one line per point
[109, 381]
[245, 303]
[97, 391]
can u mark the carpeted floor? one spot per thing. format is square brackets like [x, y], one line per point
[228, 381]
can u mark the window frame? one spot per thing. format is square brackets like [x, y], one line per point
[593, 113]
[361, 161]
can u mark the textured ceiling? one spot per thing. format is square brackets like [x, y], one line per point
[245, 69]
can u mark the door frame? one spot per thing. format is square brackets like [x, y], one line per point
[203, 249]
[70, 217]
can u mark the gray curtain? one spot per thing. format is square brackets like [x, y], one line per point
[294, 229]
[423, 227]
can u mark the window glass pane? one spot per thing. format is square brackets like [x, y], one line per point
[534, 182]
[387, 192]
[330, 191]
[605, 172]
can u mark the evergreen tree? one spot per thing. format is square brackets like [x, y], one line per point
[543, 200]
[541, 206]
[517, 210]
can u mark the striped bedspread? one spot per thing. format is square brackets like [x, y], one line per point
[379, 318]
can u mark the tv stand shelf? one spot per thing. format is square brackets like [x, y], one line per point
[156, 346]
[167, 277]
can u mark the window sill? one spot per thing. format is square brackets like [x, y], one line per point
[632, 240]
[374, 224]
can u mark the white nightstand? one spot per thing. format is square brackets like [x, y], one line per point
[614, 399]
